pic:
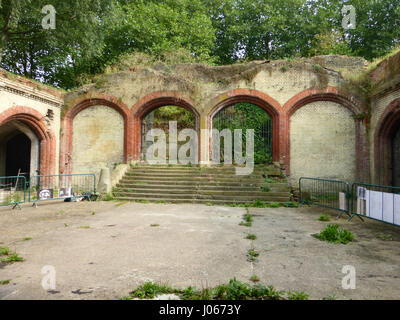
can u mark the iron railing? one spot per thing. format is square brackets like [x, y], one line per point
[12, 191]
[52, 187]
[333, 194]
[376, 202]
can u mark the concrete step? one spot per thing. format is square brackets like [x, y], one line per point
[202, 192]
[194, 178]
[200, 201]
[268, 171]
[276, 187]
[264, 197]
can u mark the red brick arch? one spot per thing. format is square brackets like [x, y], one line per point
[386, 127]
[67, 125]
[270, 105]
[154, 101]
[34, 120]
[356, 107]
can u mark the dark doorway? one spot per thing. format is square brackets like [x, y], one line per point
[18, 155]
[396, 158]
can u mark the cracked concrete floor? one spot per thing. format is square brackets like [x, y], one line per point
[103, 250]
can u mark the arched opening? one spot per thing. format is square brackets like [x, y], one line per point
[387, 146]
[244, 115]
[171, 120]
[19, 150]
[396, 157]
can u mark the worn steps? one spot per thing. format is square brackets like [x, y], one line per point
[216, 185]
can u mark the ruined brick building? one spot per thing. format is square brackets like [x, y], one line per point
[324, 123]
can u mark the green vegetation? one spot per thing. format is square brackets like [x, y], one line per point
[330, 297]
[324, 217]
[4, 282]
[247, 116]
[248, 220]
[7, 256]
[297, 295]
[252, 255]
[251, 236]
[254, 278]
[108, 197]
[96, 36]
[332, 233]
[385, 237]
[84, 227]
[234, 290]
[26, 239]
[154, 225]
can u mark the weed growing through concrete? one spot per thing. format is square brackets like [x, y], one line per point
[385, 237]
[6, 256]
[248, 219]
[332, 233]
[26, 239]
[154, 225]
[254, 278]
[252, 254]
[4, 282]
[324, 217]
[251, 236]
[84, 227]
[297, 295]
[330, 297]
[234, 290]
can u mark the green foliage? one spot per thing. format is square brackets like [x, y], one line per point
[4, 251]
[109, 197]
[324, 217]
[291, 204]
[234, 290]
[251, 236]
[252, 255]
[247, 116]
[4, 282]
[248, 220]
[332, 233]
[7, 256]
[150, 290]
[297, 295]
[93, 35]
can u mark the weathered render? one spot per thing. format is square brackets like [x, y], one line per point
[322, 125]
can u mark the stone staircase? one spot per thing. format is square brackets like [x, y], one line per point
[209, 185]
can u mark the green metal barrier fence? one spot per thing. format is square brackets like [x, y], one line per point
[376, 202]
[333, 194]
[12, 191]
[53, 187]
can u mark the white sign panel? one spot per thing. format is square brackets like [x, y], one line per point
[375, 205]
[387, 207]
[396, 209]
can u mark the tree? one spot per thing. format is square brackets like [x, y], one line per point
[29, 49]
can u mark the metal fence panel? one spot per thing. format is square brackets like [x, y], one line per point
[12, 191]
[52, 187]
[333, 194]
[376, 202]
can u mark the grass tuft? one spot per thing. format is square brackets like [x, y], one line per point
[332, 233]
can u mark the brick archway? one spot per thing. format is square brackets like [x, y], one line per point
[258, 98]
[34, 120]
[386, 127]
[67, 126]
[356, 107]
[154, 101]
